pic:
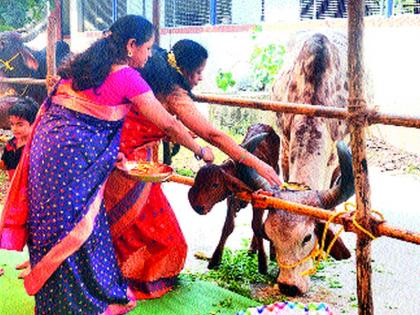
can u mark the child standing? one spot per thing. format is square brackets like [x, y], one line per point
[21, 117]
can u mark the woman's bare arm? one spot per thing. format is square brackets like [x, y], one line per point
[149, 106]
[181, 104]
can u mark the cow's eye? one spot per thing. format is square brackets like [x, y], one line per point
[214, 185]
[306, 239]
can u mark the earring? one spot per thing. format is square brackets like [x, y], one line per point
[130, 54]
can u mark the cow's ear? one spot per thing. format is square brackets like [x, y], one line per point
[29, 59]
[339, 250]
[234, 184]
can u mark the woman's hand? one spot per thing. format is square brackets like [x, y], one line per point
[269, 174]
[121, 161]
[207, 155]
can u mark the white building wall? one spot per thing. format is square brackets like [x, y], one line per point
[281, 10]
[134, 7]
[246, 12]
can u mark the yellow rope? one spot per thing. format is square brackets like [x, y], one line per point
[314, 252]
[321, 256]
[7, 62]
[317, 253]
[347, 206]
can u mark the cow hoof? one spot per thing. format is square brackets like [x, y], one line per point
[262, 270]
[213, 265]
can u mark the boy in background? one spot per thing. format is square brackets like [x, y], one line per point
[21, 117]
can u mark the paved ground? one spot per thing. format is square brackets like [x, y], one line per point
[395, 263]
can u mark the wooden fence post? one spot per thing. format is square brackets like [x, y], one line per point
[357, 106]
[52, 29]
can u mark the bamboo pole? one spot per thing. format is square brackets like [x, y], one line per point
[51, 40]
[379, 229]
[372, 117]
[290, 108]
[23, 81]
[181, 179]
[156, 20]
[357, 106]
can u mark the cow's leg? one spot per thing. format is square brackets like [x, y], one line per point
[272, 251]
[257, 225]
[233, 206]
[253, 248]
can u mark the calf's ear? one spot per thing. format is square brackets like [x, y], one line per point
[29, 59]
[234, 184]
[339, 250]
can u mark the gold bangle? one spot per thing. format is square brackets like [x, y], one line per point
[242, 158]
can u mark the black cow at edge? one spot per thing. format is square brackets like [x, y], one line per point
[20, 61]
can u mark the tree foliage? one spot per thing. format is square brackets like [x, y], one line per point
[20, 13]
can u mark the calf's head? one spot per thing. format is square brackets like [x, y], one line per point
[213, 184]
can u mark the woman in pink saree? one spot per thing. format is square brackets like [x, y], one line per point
[55, 204]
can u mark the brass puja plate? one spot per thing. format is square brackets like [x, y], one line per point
[5, 138]
[148, 171]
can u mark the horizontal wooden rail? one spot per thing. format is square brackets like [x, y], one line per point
[382, 228]
[181, 179]
[371, 116]
[23, 81]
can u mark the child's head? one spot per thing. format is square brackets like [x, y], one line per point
[21, 116]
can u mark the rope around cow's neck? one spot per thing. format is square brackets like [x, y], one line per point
[7, 63]
[317, 253]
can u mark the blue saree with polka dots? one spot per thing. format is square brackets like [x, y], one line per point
[72, 155]
[55, 204]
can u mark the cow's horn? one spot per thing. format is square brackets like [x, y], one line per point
[33, 33]
[340, 193]
[247, 174]
[254, 141]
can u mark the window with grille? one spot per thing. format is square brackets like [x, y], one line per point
[95, 15]
[196, 12]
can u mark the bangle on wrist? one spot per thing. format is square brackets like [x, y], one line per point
[242, 158]
[200, 155]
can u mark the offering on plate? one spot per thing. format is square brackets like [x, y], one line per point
[148, 171]
[5, 138]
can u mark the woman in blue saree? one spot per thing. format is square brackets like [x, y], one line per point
[56, 200]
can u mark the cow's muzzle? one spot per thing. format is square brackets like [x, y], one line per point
[200, 209]
[289, 290]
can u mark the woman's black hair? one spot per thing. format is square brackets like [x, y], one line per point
[162, 77]
[90, 68]
[25, 108]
